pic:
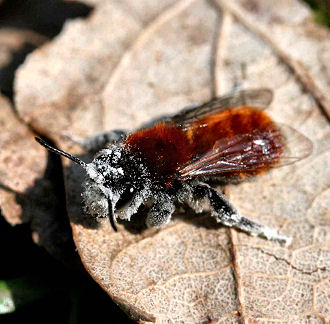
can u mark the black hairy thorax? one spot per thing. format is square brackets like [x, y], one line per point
[120, 169]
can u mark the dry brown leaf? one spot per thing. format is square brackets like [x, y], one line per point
[19, 170]
[25, 194]
[193, 271]
[288, 26]
[14, 45]
[80, 68]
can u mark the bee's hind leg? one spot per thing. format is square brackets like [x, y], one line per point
[98, 141]
[227, 214]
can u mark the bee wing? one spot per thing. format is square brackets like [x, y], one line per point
[296, 145]
[259, 98]
[249, 153]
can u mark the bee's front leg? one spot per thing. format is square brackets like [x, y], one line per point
[98, 141]
[161, 211]
[227, 214]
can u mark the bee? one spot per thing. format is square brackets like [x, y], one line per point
[177, 160]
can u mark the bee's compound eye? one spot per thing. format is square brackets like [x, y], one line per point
[126, 197]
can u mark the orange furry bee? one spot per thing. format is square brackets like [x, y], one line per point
[174, 161]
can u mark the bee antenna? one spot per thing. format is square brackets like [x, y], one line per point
[60, 152]
[112, 217]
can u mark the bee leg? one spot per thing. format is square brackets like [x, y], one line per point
[160, 212]
[98, 141]
[227, 214]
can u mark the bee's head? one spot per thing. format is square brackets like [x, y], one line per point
[113, 178]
